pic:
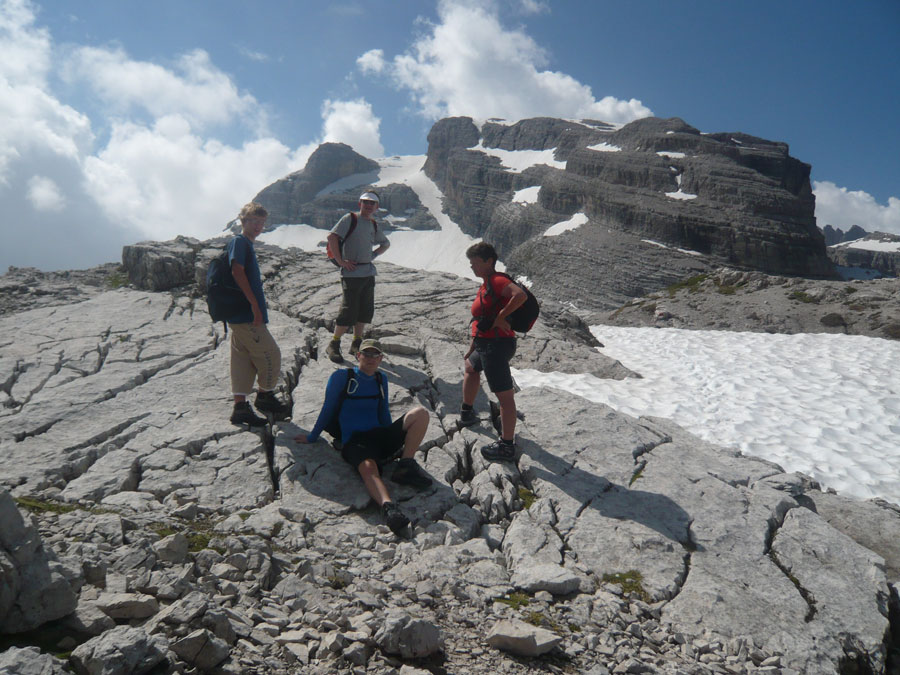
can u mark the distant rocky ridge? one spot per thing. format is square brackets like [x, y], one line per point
[299, 197]
[727, 198]
[878, 251]
[835, 235]
[613, 544]
[728, 299]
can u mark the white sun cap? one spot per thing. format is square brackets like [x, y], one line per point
[369, 196]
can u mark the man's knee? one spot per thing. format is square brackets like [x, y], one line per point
[506, 398]
[417, 415]
[469, 369]
[368, 467]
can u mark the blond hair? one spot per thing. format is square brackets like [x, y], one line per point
[253, 209]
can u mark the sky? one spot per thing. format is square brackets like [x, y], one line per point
[124, 121]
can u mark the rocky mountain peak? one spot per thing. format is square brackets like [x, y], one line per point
[327, 164]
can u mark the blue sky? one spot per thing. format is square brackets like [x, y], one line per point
[122, 121]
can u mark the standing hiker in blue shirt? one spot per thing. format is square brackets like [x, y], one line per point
[370, 439]
[254, 354]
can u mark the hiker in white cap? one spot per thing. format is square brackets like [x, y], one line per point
[352, 245]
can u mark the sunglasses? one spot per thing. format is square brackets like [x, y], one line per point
[371, 354]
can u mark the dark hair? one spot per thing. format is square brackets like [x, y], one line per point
[482, 250]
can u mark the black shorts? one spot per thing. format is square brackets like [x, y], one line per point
[381, 444]
[357, 301]
[492, 355]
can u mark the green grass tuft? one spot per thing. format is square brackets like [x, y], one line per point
[38, 505]
[117, 279]
[802, 296]
[527, 496]
[516, 600]
[692, 284]
[630, 582]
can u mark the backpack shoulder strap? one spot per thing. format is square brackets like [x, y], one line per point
[351, 377]
[353, 224]
[382, 385]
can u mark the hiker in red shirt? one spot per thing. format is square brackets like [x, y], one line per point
[493, 345]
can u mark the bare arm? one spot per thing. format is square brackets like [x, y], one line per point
[240, 278]
[516, 297]
[334, 246]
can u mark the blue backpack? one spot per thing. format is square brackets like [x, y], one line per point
[333, 427]
[223, 296]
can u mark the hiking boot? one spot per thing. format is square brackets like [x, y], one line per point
[467, 418]
[499, 450]
[408, 472]
[354, 346]
[267, 402]
[394, 518]
[243, 414]
[333, 350]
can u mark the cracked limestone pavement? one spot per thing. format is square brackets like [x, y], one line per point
[644, 548]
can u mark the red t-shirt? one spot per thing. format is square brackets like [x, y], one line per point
[489, 304]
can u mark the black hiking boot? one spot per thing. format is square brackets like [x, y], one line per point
[354, 346]
[467, 418]
[408, 472]
[333, 350]
[267, 402]
[243, 414]
[394, 518]
[499, 450]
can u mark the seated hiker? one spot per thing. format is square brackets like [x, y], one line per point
[254, 353]
[493, 345]
[359, 397]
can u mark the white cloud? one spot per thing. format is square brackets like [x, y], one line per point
[533, 6]
[25, 52]
[469, 64]
[196, 89]
[843, 208]
[166, 180]
[372, 61]
[353, 123]
[160, 174]
[44, 194]
[259, 57]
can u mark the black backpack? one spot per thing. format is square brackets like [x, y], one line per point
[333, 427]
[523, 319]
[353, 223]
[223, 297]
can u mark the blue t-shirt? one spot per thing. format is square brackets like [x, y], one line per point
[240, 250]
[356, 414]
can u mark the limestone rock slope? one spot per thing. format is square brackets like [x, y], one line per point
[622, 544]
[728, 299]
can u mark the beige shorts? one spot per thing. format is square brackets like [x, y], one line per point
[254, 356]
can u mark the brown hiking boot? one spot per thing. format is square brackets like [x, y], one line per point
[333, 351]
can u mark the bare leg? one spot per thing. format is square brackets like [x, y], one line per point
[415, 423]
[368, 469]
[507, 413]
[339, 331]
[357, 330]
[471, 383]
